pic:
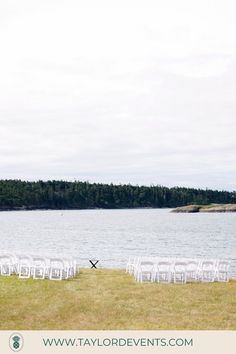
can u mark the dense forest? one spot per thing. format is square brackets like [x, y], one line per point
[17, 194]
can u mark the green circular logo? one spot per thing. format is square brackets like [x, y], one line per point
[16, 342]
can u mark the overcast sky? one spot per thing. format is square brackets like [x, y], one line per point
[141, 95]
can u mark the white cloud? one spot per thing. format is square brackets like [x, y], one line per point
[140, 93]
[198, 67]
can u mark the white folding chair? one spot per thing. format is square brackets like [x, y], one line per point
[25, 264]
[207, 272]
[6, 265]
[135, 267]
[146, 271]
[75, 267]
[129, 265]
[180, 275]
[57, 271]
[192, 268]
[68, 268]
[222, 271]
[163, 272]
[39, 267]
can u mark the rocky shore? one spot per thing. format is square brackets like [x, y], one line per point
[211, 208]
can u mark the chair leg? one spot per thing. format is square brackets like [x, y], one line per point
[5, 270]
[24, 271]
[56, 274]
[39, 273]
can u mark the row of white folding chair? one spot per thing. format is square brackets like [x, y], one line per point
[215, 270]
[153, 270]
[178, 270]
[36, 266]
[166, 270]
[134, 265]
[210, 270]
[41, 268]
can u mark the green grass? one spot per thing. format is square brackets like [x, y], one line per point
[111, 299]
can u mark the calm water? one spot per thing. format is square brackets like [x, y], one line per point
[113, 235]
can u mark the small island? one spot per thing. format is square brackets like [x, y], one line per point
[209, 208]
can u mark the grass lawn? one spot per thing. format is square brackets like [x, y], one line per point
[111, 299]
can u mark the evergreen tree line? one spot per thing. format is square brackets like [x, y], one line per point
[17, 194]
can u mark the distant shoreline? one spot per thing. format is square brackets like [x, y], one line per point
[210, 208]
[61, 209]
[193, 208]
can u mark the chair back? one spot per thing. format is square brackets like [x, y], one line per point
[180, 266]
[163, 266]
[223, 266]
[146, 265]
[56, 263]
[208, 265]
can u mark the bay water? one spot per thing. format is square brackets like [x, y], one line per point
[112, 236]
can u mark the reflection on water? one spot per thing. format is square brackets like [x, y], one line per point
[113, 235]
